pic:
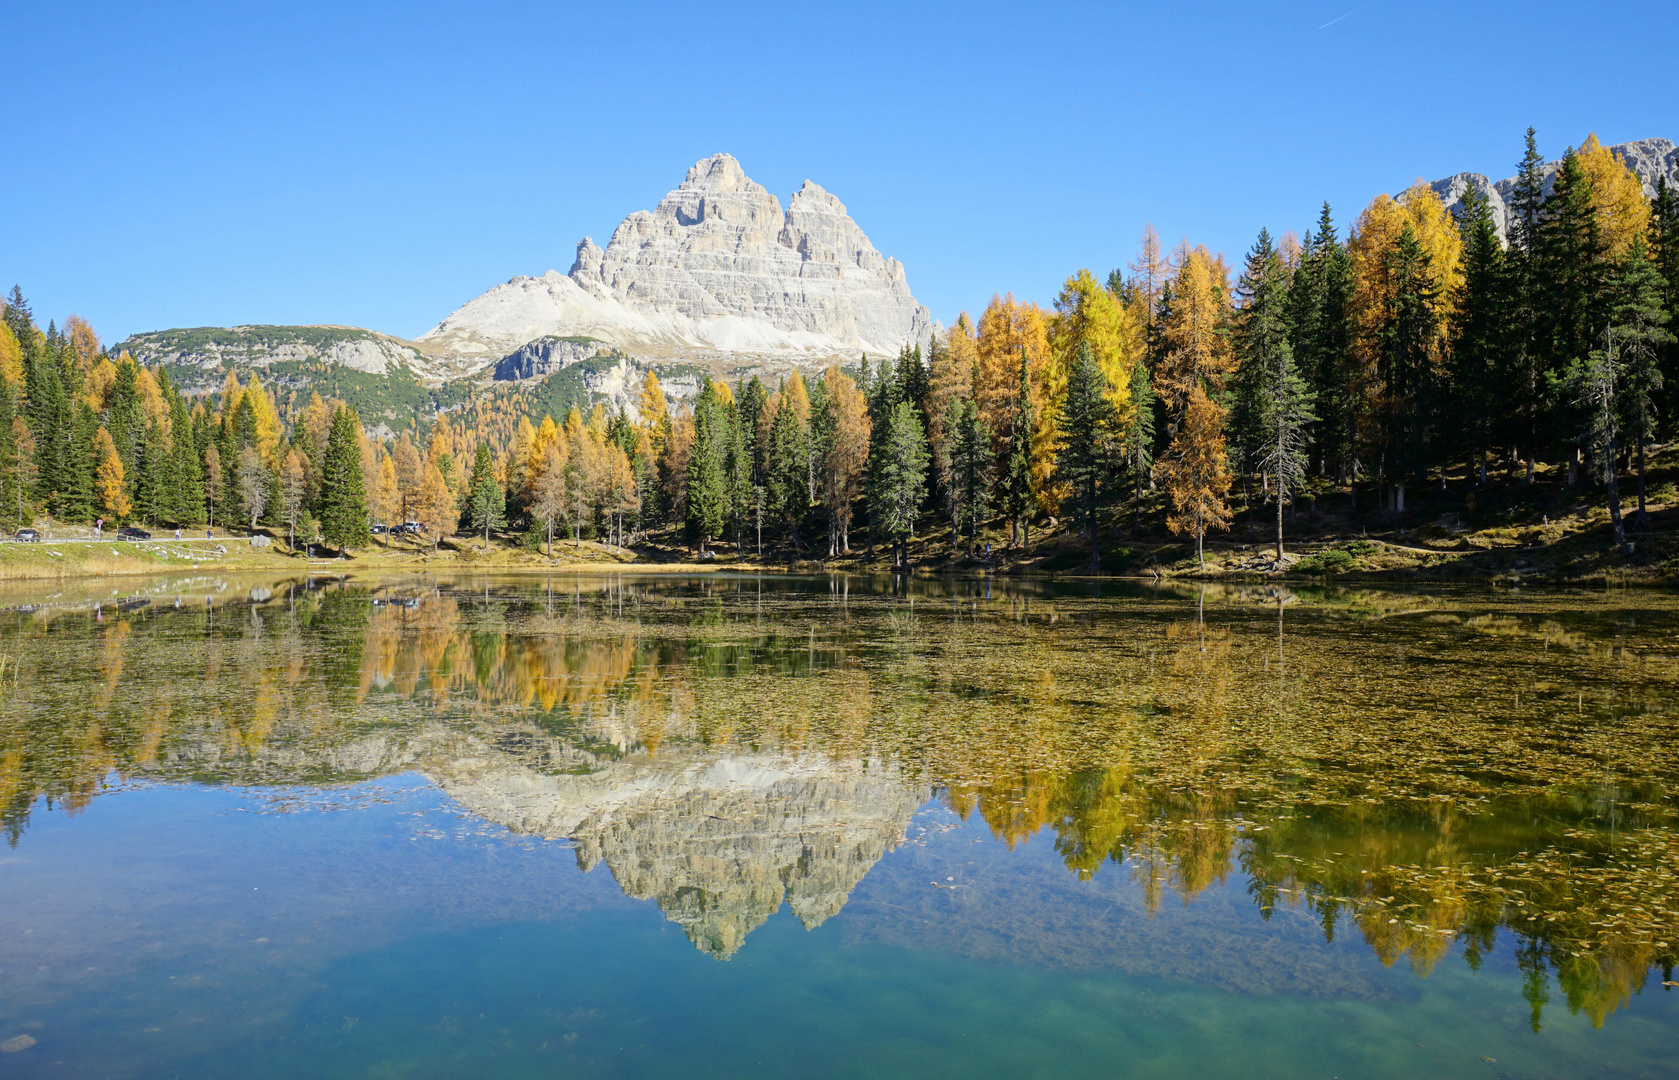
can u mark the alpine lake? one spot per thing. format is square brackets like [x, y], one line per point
[725, 826]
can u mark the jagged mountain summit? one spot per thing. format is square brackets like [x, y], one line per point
[1649, 159]
[716, 266]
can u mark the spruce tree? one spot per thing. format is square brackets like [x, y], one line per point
[707, 491]
[786, 494]
[1664, 250]
[1275, 402]
[897, 482]
[1321, 337]
[970, 467]
[186, 471]
[1527, 363]
[1638, 331]
[343, 499]
[1087, 446]
[1405, 369]
[486, 502]
[1136, 439]
[1019, 499]
[12, 497]
[1480, 385]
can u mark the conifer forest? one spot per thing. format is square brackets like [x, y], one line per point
[1378, 365]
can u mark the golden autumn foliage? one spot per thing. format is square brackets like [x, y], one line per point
[1149, 274]
[11, 356]
[1198, 353]
[84, 343]
[97, 383]
[654, 411]
[1006, 329]
[108, 477]
[1623, 214]
[949, 378]
[1086, 313]
[1374, 235]
[1196, 471]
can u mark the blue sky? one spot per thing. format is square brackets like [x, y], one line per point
[378, 165]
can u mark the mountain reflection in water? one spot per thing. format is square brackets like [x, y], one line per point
[1421, 771]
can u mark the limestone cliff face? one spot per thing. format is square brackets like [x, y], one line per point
[717, 265]
[1650, 160]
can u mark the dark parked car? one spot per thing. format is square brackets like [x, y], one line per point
[28, 536]
[129, 532]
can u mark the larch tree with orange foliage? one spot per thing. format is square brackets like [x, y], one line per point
[109, 477]
[1195, 471]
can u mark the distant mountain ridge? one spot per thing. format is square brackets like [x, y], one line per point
[1650, 159]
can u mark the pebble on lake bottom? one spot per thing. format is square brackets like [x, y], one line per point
[16, 1043]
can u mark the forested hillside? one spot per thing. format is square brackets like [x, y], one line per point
[1418, 352]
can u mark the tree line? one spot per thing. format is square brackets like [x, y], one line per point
[1424, 341]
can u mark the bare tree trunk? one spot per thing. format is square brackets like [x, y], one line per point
[1615, 500]
[1643, 517]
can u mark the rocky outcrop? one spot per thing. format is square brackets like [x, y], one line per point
[717, 265]
[1651, 160]
[544, 356]
[257, 347]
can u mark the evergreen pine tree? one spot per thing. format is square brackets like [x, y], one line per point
[186, 471]
[970, 467]
[897, 482]
[786, 495]
[1019, 500]
[1405, 370]
[1087, 446]
[1664, 251]
[486, 502]
[343, 499]
[1573, 267]
[1275, 402]
[707, 491]
[1638, 329]
[12, 496]
[1479, 385]
[1321, 337]
[1136, 439]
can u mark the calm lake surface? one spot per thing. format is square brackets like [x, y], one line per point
[740, 826]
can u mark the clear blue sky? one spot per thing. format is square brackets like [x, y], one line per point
[378, 165]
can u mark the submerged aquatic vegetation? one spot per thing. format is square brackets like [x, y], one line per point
[1422, 769]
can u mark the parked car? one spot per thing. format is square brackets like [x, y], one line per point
[28, 536]
[380, 530]
[129, 532]
[413, 527]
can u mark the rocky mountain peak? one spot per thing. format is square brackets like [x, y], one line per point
[1651, 160]
[716, 266]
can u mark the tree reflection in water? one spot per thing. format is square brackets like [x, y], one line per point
[1421, 770]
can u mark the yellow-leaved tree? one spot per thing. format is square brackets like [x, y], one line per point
[949, 378]
[1622, 211]
[108, 477]
[1007, 329]
[1086, 313]
[1196, 472]
[1197, 349]
[653, 411]
[11, 356]
[1149, 274]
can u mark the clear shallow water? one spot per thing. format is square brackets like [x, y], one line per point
[638, 827]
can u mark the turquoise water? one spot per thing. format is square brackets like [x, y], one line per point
[731, 836]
